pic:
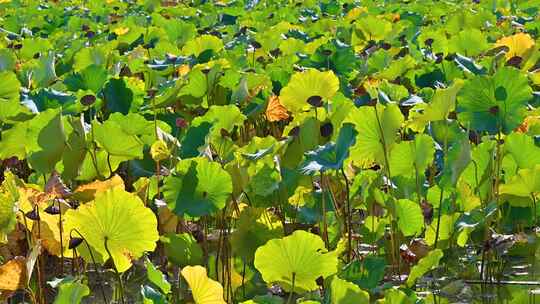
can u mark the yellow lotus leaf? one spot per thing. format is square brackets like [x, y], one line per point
[535, 77]
[89, 191]
[49, 234]
[121, 31]
[275, 111]
[306, 85]
[13, 274]
[115, 224]
[520, 44]
[203, 289]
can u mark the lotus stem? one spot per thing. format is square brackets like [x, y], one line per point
[393, 234]
[117, 274]
[292, 288]
[349, 216]
[60, 230]
[93, 261]
[325, 224]
[439, 218]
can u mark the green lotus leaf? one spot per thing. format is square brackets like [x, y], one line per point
[43, 144]
[469, 42]
[51, 140]
[251, 233]
[397, 296]
[446, 228]
[221, 118]
[478, 169]
[412, 157]
[375, 126]
[197, 85]
[10, 91]
[10, 107]
[156, 277]
[99, 164]
[522, 149]
[427, 263]
[442, 103]
[297, 259]
[8, 205]
[266, 299]
[136, 125]
[303, 85]
[117, 141]
[523, 188]
[152, 296]
[70, 290]
[332, 155]
[367, 273]
[259, 149]
[91, 78]
[397, 68]
[195, 140]
[344, 292]
[116, 221]
[120, 97]
[459, 157]
[7, 60]
[341, 61]
[410, 217]
[494, 103]
[202, 43]
[182, 249]
[372, 28]
[264, 179]
[91, 56]
[75, 150]
[197, 187]
[42, 71]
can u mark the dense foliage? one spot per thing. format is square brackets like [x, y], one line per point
[269, 151]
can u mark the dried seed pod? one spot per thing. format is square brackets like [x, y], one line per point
[315, 101]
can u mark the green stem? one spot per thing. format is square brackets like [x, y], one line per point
[292, 288]
[445, 148]
[117, 274]
[393, 234]
[349, 216]
[439, 218]
[60, 229]
[325, 224]
[95, 264]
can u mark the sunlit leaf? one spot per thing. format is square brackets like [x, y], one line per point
[424, 265]
[343, 292]
[410, 217]
[198, 187]
[494, 103]
[203, 289]
[299, 258]
[115, 221]
[309, 84]
[156, 277]
[520, 44]
[70, 290]
[377, 130]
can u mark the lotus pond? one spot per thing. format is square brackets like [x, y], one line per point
[269, 152]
